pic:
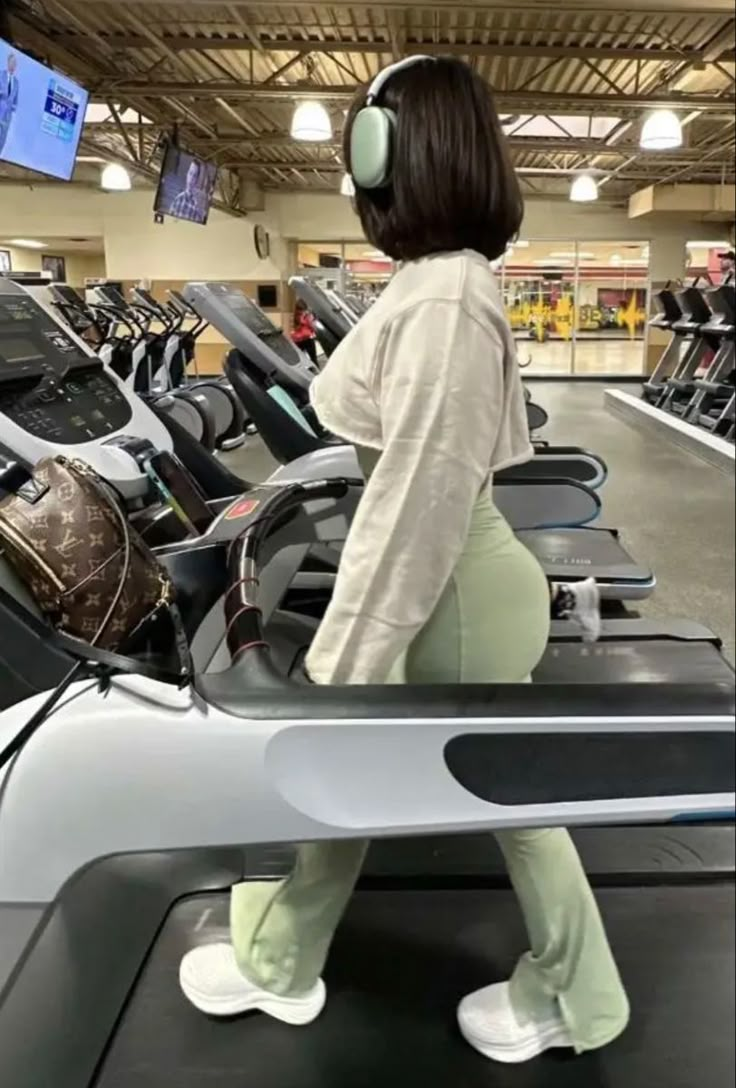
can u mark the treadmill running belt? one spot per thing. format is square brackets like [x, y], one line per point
[569, 554]
[400, 963]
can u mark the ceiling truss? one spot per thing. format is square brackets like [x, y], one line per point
[228, 75]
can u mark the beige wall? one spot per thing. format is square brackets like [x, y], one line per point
[79, 266]
[23, 260]
[49, 209]
[324, 217]
[135, 246]
[83, 266]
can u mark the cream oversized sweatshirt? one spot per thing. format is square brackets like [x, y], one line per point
[429, 378]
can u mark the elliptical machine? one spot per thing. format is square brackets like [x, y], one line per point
[179, 351]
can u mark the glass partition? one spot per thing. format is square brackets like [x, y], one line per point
[576, 308]
[367, 271]
[539, 292]
[611, 308]
[322, 261]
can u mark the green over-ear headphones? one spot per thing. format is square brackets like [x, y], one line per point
[372, 135]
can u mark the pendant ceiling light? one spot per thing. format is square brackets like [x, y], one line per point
[311, 121]
[660, 131]
[347, 186]
[584, 189]
[115, 178]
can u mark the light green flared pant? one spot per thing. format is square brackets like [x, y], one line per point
[491, 625]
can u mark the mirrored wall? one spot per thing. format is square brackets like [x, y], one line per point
[353, 268]
[576, 308]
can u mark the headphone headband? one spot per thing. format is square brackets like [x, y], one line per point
[383, 77]
[372, 136]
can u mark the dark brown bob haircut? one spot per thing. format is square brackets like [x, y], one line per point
[452, 184]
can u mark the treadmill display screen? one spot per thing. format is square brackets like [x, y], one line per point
[19, 351]
[49, 386]
[67, 293]
[245, 309]
[113, 296]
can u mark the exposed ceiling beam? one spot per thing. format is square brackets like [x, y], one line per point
[721, 47]
[35, 38]
[237, 43]
[713, 7]
[603, 103]
[531, 144]
[694, 168]
[523, 171]
[240, 17]
[122, 131]
[286, 67]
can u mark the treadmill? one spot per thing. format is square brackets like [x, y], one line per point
[679, 389]
[123, 827]
[118, 846]
[566, 553]
[666, 319]
[714, 392]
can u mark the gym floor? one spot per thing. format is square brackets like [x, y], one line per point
[594, 356]
[673, 511]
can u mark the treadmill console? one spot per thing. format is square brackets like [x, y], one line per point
[65, 293]
[246, 327]
[48, 385]
[111, 295]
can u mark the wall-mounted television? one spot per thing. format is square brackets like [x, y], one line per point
[186, 186]
[41, 115]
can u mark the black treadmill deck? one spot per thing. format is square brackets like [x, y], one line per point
[402, 960]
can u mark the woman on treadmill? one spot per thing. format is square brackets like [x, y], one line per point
[433, 586]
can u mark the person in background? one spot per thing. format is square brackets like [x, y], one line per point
[728, 276]
[728, 266]
[433, 586]
[9, 90]
[304, 333]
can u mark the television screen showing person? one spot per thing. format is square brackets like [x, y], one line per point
[9, 96]
[186, 187]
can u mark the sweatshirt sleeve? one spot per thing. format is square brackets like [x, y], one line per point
[439, 387]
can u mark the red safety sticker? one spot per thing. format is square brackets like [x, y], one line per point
[242, 509]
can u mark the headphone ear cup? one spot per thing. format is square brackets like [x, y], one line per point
[371, 147]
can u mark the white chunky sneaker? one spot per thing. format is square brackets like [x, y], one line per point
[211, 979]
[488, 1022]
[587, 609]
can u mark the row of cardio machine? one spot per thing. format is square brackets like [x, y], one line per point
[152, 346]
[134, 808]
[696, 374]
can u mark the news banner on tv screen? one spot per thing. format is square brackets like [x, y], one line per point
[41, 115]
